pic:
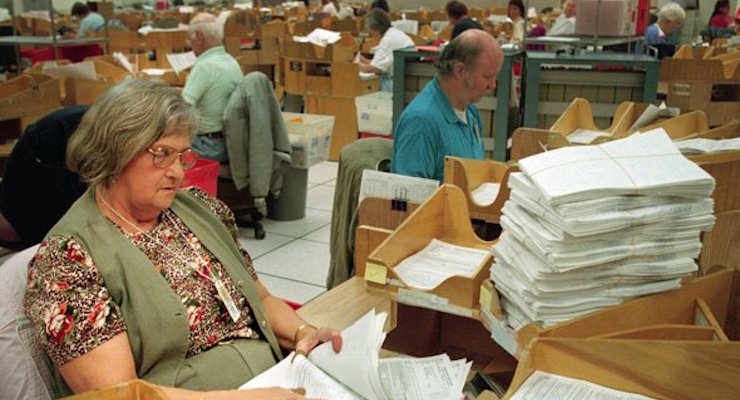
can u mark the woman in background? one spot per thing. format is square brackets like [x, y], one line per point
[379, 26]
[517, 15]
[721, 15]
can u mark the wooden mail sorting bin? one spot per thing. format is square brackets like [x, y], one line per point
[704, 79]
[133, 390]
[675, 309]
[682, 126]
[335, 79]
[342, 51]
[469, 174]
[27, 98]
[659, 369]
[443, 216]
[253, 51]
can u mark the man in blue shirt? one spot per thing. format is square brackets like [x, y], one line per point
[442, 119]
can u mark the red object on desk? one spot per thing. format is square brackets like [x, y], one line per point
[203, 175]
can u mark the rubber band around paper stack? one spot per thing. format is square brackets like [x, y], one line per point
[589, 227]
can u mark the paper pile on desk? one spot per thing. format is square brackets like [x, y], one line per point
[356, 373]
[589, 227]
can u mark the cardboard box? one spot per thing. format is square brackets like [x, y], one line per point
[616, 17]
[443, 216]
[132, 390]
[375, 113]
[345, 123]
[310, 138]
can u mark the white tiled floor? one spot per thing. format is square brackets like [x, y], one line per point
[293, 259]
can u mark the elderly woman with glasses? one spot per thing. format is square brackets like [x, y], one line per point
[141, 279]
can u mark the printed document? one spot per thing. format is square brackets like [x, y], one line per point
[485, 194]
[385, 185]
[585, 136]
[355, 373]
[545, 386]
[439, 261]
[181, 61]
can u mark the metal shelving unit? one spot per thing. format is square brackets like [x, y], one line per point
[52, 40]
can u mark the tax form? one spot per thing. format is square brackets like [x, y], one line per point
[545, 386]
[437, 262]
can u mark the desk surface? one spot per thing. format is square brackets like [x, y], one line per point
[345, 304]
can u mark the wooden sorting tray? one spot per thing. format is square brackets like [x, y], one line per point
[469, 174]
[443, 216]
[660, 369]
[714, 294]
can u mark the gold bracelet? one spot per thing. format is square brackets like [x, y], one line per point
[300, 328]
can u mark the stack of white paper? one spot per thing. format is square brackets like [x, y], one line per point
[319, 37]
[701, 146]
[587, 228]
[356, 373]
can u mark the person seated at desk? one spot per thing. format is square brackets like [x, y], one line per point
[140, 279]
[89, 21]
[210, 84]
[670, 18]
[457, 16]
[379, 26]
[442, 119]
[565, 23]
[721, 15]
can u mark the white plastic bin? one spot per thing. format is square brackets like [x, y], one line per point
[310, 138]
[375, 113]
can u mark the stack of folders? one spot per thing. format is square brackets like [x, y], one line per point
[588, 227]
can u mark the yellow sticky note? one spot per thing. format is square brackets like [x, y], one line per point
[375, 273]
[485, 297]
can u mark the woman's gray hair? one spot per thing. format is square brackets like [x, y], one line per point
[377, 20]
[124, 121]
[461, 49]
[671, 12]
[208, 25]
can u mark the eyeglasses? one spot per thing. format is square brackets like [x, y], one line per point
[164, 156]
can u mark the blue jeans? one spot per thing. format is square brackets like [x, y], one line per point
[211, 148]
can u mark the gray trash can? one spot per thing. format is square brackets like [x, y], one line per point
[291, 205]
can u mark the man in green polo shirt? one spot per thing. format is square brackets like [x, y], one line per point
[214, 76]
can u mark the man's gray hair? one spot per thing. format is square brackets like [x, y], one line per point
[209, 26]
[123, 122]
[671, 12]
[377, 20]
[460, 50]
